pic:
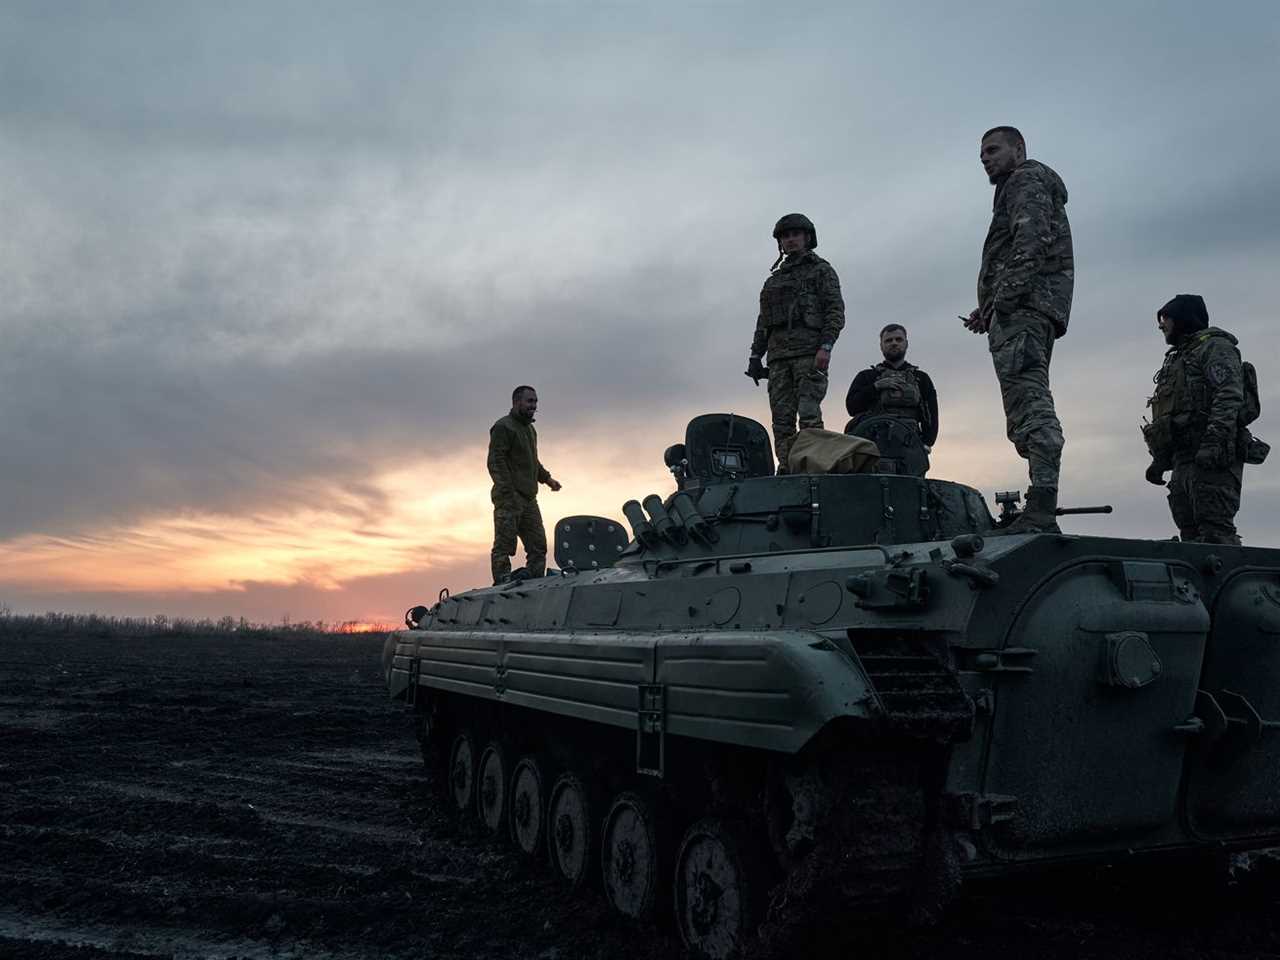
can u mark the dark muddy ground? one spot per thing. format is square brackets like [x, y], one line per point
[224, 798]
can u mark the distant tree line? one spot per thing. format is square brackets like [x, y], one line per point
[53, 624]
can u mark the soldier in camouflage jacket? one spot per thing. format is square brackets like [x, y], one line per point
[801, 315]
[516, 472]
[1195, 422]
[1024, 303]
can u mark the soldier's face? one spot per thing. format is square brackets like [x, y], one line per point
[893, 345]
[999, 156]
[793, 241]
[1167, 327]
[527, 404]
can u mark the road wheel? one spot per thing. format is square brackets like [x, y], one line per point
[462, 772]
[491, 789]
[572, 830]
[719, 884]
[633, 855]
[528, 805]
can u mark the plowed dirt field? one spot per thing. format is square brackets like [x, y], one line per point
[261, 799]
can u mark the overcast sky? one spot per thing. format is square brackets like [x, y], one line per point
[269, 271]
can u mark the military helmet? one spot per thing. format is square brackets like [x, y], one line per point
[796, 221]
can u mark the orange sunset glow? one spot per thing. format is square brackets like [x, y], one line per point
[432, 520]
[263, 302]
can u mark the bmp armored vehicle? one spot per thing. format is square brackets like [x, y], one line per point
[822, 691]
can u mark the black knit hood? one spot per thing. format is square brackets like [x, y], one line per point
[1188, 313]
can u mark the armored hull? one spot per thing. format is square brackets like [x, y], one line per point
[826, 689]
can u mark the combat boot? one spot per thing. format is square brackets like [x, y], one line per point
[1038, 516]
[1226, 539]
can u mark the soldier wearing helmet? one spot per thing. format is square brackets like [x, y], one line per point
[801, 315]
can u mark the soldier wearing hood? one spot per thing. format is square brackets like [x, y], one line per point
[801, 314]
[1024, 302]
[1196, 422]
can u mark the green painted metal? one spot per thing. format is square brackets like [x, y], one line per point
[1098, 694]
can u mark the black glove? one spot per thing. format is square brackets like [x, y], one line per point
[1208, 458]
[756, 370]
[1155, 474]
[1213, 453]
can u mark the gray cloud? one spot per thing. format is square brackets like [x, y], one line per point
[117, 432]
[252, 252]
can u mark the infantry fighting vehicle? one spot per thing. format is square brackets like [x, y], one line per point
[781, 691]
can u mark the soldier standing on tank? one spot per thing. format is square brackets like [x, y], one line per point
[895, 387]
[1196, 422]
[1024, 303]
[516, 473]
[801, 315]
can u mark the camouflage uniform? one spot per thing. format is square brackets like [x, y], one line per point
[801, 309]
[516, 473]
[1195, 430]
[1024, 292]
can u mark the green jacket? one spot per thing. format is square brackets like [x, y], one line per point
[800, 309]
[513, 458]
[1199, 393]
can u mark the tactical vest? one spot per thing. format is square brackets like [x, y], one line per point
[790, 297]
[1180, 404]
[904, 399]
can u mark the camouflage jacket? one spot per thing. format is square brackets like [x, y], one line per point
[1027, 263]
[513, 458]
[800, 309]
[1199, 393]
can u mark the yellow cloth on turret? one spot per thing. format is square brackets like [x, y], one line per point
[825, 451]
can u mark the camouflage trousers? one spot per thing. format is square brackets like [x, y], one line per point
[517, 516]
[796, 389]
[1204, 502]
[1021, 347]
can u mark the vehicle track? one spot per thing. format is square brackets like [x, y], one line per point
[222, 797]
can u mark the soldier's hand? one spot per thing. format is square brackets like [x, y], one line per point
[822, 359]
[756, 371]
[1155, 474]
[975, 322]
[1209, 457]
[554, 484]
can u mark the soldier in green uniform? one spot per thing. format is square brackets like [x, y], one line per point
[801, 315]
[1196, 427]
[516, 473]
[1024, 302]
